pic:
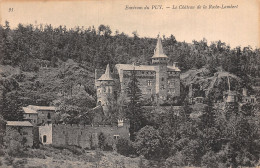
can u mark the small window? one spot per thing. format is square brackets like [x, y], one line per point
[44, 138]
[42, 121]
[162, 79]
[29, 115]
[163, 87]
[116, 137]
[49, 116]
[149, 82]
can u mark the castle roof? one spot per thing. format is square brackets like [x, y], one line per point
[158, 51]
[107, 75]
[129, 67]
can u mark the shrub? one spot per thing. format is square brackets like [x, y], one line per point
[125, 147]
[20, 163]
[149, 143]
[101, 141]
[34, 153]
[13, 142]
[9, 160]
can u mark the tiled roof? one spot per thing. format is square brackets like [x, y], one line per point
[51, 108]
[107, 75]
[19, 123]
[29, 110]
[173, 68]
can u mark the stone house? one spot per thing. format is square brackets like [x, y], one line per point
[24, 128]
[40, 114]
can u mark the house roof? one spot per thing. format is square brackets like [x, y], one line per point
[107, 75]
[19, 123]
[29, 110]
[158, 51]
[51, 108]
[174, 68]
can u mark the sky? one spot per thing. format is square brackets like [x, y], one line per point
[238, 26]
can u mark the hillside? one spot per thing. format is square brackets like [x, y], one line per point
[50, 157]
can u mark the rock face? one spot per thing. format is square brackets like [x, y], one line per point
[202, 84]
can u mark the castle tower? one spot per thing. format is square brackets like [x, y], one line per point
[105, 90]
[160, 60]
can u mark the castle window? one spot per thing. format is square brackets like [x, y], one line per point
[149, 82]
[142, 72]
[104, 90]
[162, 79]
[116, 137]
[49, 116]
[44, 138]
[163, 87]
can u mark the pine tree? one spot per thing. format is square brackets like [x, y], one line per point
[134, 109]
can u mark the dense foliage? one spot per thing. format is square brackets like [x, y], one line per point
[30, 46]
[214, 139]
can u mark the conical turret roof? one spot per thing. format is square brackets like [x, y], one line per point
[158, 51]
[107, 75]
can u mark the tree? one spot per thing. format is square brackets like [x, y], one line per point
[124, 147]
[149, 143]
[101, 141]
[134, 109]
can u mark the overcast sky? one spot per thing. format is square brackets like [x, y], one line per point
[237, 26]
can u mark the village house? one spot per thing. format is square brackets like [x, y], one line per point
[40, 114]
[24, 128]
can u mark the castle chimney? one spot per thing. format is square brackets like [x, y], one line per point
[244, 92]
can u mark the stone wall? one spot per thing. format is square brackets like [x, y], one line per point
[146, 82]
[86, 136]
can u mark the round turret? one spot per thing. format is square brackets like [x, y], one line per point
[105, 90]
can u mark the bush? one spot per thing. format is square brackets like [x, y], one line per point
[125, 147]
[13, 142]
[20, 163]
[9, 160]
[35, 153]
[101, 141]
[149, 143]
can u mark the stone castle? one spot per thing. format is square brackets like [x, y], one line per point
[158, 81]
